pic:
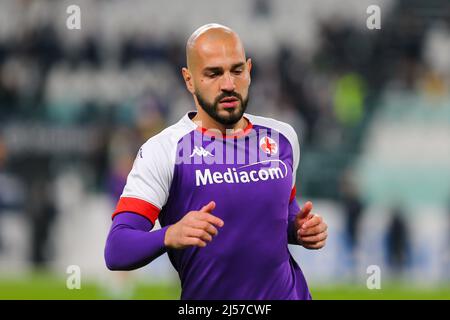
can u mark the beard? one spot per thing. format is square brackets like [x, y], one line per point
[231, 116]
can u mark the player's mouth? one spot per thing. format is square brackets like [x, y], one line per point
[229, 102]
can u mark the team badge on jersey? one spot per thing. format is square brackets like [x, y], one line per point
[268, 145]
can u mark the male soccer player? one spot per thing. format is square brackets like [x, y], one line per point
[222, 184]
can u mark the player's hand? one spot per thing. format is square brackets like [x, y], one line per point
[311, 229]
[196, 228]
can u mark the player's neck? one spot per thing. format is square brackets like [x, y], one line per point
[203, 120]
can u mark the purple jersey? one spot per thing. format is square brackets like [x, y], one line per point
[251, 177]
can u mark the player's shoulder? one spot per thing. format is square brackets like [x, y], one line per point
[167, 139]
[283, 127]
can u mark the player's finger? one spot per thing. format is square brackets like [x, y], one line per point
[313, 230]
[195, 242]
[199, 233]
[315, 246]
[204, 225]
[208, 217]
[209, 207]
[307, 208]
[314, 221]
[315, 238]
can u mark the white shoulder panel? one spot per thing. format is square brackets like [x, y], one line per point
[151, 176]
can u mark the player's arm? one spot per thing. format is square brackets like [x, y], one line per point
[294, 209]
[304, 227]
[130, 245]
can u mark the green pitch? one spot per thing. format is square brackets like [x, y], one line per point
[50, 287]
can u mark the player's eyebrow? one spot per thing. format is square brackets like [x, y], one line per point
[237, 65]
[213, 69]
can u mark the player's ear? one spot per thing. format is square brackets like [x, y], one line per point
[249, 64]
[249, 68]
[188, 80]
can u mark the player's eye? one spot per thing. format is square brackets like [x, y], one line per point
[238, 71]
[212, 74]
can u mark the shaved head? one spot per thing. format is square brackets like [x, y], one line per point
[217, 74]
[206, 35]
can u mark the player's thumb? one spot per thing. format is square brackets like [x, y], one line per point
[209, 207]
[307, 208]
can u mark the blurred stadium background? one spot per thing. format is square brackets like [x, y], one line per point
[371, 108]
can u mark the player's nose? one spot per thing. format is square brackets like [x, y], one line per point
[227, 83]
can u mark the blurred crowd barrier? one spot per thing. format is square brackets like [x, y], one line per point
[371, 108]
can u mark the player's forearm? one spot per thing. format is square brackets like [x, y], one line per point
[294, 209]
[129, 245]
[291, 232]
